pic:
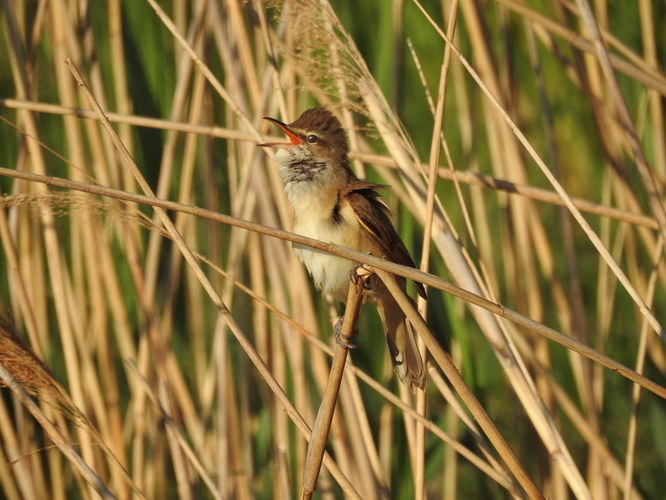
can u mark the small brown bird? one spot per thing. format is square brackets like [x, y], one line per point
[331, 204]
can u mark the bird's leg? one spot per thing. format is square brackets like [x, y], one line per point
[345, 341]
[360, 276]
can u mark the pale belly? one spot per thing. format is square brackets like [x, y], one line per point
[330, 273]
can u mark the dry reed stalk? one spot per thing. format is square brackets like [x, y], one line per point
[21, 294]
[60, 283]
[25, 374]
[93, 480]
[580, 421]
[444, 361]
[191, 456]
[210, 77]
[436, 141]
[569, 302]
[636, 393]
[457, 409]
[655, 103]
[650, 183]
[643, 73]
[322, 425]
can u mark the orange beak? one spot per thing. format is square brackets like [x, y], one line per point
[293, 137]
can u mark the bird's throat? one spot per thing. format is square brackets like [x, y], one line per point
[282, 156]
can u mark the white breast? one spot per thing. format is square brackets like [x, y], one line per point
[329, 272]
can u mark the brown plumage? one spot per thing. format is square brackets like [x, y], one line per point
[331, 204]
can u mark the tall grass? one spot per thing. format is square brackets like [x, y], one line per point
[153, 349]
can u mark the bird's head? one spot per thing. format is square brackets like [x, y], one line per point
[317, 146]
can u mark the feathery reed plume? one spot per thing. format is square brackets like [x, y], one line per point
[26, 368]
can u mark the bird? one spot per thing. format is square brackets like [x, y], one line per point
[332, 205]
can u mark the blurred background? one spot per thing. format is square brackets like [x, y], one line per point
[110, 332]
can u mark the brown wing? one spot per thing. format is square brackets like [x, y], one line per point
[373, 215]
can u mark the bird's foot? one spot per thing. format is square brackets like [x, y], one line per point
[345, 341]
[362, 275]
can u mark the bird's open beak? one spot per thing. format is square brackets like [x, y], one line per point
[293, 137]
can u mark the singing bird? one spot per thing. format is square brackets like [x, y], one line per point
[332, 205]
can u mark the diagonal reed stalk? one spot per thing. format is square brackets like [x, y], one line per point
[322, 424]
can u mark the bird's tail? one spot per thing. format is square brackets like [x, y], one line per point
[401, 343]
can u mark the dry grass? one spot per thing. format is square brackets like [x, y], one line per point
[169, 351]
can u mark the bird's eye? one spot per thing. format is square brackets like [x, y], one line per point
[312, 138]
